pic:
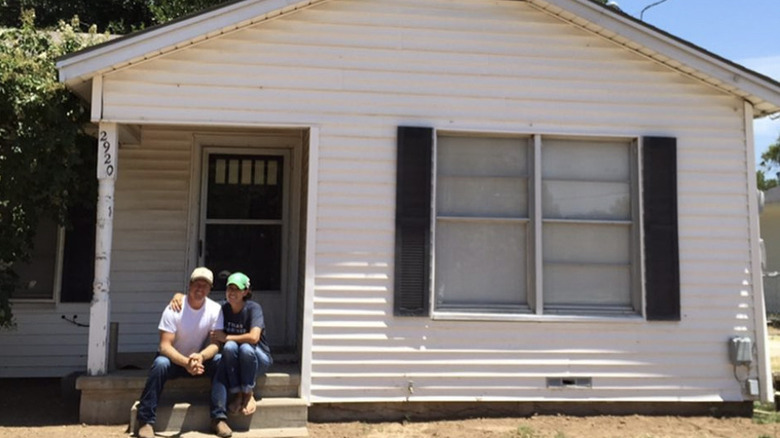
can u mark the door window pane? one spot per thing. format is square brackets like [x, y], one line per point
[239, 198]
[255, 250]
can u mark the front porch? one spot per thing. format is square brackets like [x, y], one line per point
[184, 406]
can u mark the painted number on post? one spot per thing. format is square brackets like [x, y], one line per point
[107, 153]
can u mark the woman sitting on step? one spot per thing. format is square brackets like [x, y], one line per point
[245, 353]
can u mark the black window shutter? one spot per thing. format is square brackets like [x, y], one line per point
[659, 193]
[413, 221]
[78, 266]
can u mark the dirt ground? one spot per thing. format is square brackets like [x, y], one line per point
[41, 408]
[534, 427]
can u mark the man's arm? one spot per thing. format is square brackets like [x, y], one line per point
[194, 367]
[167, 349]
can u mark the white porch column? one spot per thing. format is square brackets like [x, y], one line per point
[100, 310]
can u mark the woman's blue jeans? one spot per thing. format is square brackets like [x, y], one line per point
[240, 366]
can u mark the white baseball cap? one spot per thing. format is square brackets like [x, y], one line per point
[202, 273]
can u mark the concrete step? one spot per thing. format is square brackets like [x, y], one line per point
[275, 417]
[108, 399]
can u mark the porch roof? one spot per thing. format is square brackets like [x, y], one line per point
[76, 70]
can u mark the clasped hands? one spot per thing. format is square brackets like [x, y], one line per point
[195, 364]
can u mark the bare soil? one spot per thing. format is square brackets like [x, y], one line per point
[46, 408]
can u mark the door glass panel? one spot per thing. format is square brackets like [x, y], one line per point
[244, 187]
[244, 219]
[255, 250]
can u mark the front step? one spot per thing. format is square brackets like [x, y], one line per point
[274, 417]
[108, 399]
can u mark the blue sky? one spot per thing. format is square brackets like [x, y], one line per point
[742, 31]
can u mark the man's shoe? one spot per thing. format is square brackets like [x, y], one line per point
[146, 431]
[221, 428]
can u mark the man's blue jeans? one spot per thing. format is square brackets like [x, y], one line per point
[241, 364]
[161, 370]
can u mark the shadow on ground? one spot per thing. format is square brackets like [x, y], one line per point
[38, 402]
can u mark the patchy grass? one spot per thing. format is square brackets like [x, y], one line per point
[527, 432]
[764, 413]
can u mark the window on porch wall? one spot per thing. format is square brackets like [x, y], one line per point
[77, 243]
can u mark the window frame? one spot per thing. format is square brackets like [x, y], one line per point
[535, 262]
[59, 259]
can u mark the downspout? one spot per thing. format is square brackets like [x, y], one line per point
[759, 308]
[100, 309]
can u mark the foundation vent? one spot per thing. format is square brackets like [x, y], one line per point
[569, 382]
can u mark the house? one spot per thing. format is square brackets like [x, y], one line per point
[437, 201]
[770, 233]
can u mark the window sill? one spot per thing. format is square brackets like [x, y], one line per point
[28, 303]
[515, 317]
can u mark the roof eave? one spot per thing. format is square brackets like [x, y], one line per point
[81, 66]
[761, 91]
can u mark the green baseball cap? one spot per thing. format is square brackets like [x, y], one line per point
[240, 280]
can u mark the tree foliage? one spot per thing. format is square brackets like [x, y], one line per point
[166, 10]
[763, 182]
[770, 160]
[116, 16]
[46, 159]
[44, 152]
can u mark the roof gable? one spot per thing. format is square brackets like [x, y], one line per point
[77, 69]
[175, 35]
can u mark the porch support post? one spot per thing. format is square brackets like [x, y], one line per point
[100, 310]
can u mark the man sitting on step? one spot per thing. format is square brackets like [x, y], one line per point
[186, 350]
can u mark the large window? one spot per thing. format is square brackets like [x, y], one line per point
[536, 224]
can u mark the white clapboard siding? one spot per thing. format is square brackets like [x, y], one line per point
[43, 344]
[357, 69]
[150, 233]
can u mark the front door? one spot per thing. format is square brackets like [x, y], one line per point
[245, 226]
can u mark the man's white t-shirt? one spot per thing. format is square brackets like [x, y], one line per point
[190, 326]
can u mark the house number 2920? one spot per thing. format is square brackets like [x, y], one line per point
[106, 155]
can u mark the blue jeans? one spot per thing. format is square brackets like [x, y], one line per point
[161, 370]
[240, 366]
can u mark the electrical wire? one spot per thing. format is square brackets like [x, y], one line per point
[641, 14]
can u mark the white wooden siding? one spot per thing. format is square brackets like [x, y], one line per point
[150, 233]
[358, 69]
[44, 344]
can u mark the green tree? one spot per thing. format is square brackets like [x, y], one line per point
[770, 160]
[764, 183]
[116, 16]
[45, 164]
[166, 10]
